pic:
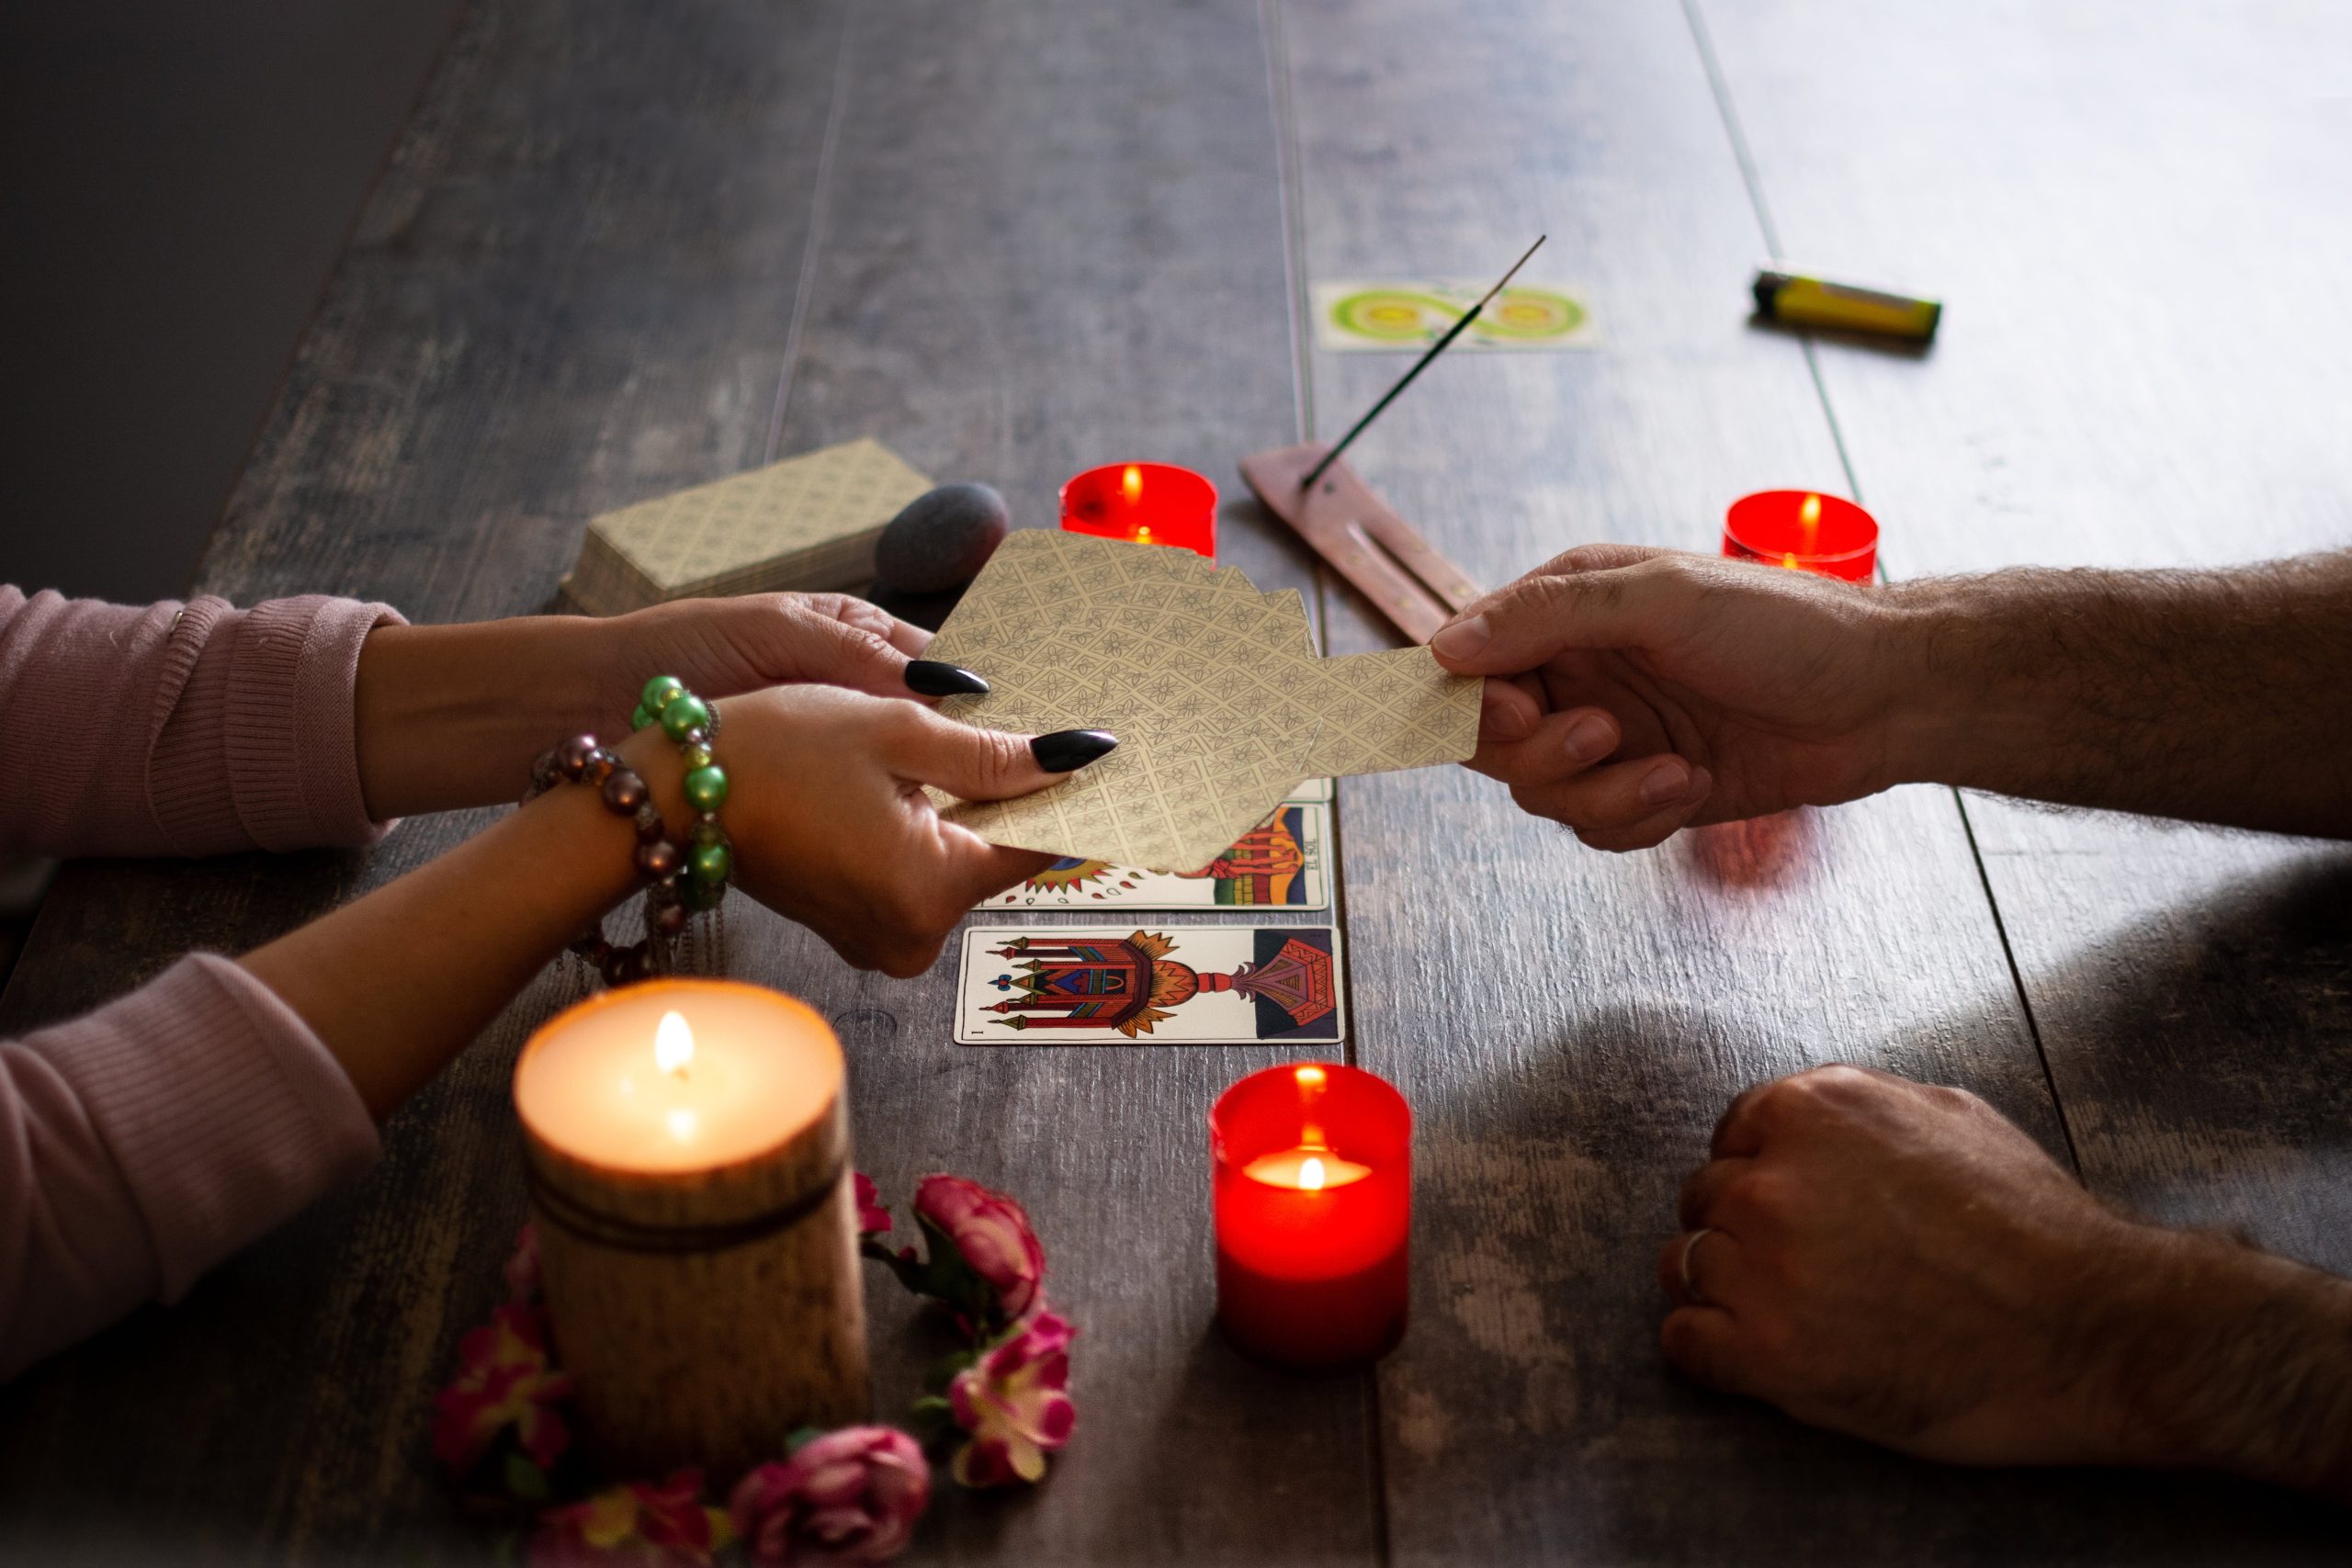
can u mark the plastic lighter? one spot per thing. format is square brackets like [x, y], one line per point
[1800, 300]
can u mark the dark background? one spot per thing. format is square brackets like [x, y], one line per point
[175, 181]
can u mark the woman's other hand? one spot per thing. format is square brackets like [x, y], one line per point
[830, 824]
[723, 647]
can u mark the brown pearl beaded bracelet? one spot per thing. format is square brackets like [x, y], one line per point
[659, 862]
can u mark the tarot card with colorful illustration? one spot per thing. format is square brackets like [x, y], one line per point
[1283, 863]
[1126, 984]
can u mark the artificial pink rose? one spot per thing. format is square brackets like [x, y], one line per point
[523, 1268]
[848, 1497]
[993, 1233]
[1015, 1401]
[873, 1219]
[504, 1380]
[642, 1525]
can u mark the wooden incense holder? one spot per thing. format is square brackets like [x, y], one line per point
[704, 1315]
[1347, 524]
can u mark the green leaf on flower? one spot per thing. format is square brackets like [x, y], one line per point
[526, 1479]
[943, 1371]
[799, 1436]
[933, 1420]
[913, 1273]
[942, 1274]
[955, 1281]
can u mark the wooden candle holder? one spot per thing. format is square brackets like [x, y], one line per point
[705, 1314]
[1343, 520]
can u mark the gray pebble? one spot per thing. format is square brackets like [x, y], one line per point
[941, 540]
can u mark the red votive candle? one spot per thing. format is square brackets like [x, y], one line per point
[1804, 530]
[1314, 1191]
[1146, 504]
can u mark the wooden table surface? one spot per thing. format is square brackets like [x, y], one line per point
[625, 248]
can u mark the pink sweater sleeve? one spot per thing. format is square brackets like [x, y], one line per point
[180, 729]
[143, 1144]
[140, 1145]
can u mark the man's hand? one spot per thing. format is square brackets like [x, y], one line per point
[1898, 1262]
[1637, 691]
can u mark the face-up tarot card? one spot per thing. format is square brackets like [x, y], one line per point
[1119, 985]
[1281, 864]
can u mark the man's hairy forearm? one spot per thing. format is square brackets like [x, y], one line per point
[2220, 696]
[2216, 1356]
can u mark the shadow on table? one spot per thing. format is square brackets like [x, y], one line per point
[1527, 1416]
[1531, 1416]
[2204, 1053]
[1155, 1473]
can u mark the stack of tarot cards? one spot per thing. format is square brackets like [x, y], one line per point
[808, 523]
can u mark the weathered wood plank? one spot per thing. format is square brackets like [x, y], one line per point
[1007, 251]
[2134, 212]
[1054, 238]
[2094, 193]
[1569, 1024]
[571, 289]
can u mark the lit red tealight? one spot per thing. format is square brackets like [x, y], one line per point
[1145, 503]
[1313, 1197]
[1802, 530]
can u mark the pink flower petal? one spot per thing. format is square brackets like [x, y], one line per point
[959, 1399]
[834, 1484]
[1053, 1424]
[983, 1462]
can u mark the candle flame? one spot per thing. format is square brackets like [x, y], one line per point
[1789, 560]
[673, 1043]
[1143, 533]
[1310, 1175]
[1131, 484]
[1809, 517]
[682, 1125]
[1311, 1079]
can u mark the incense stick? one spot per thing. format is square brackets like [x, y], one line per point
[1419, 366]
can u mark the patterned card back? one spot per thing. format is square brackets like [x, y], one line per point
[1214, 689]
[807, 524]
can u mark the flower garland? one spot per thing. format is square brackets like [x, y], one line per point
[853, 1496]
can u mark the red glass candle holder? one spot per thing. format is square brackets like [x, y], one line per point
[1314, 1191]
[1804, 530]
[1145, 503]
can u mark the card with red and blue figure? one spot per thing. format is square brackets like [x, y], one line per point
[1130, 986]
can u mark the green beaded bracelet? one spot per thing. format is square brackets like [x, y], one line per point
[694, 725]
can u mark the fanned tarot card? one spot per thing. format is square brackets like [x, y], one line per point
[1221, 705]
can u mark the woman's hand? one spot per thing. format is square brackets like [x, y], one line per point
[450, 716]
[721, 647]
[830, 824]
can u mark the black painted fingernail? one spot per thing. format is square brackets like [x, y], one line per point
[931, 678]
[1066, 751]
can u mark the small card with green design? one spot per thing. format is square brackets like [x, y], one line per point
[1373, 316]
